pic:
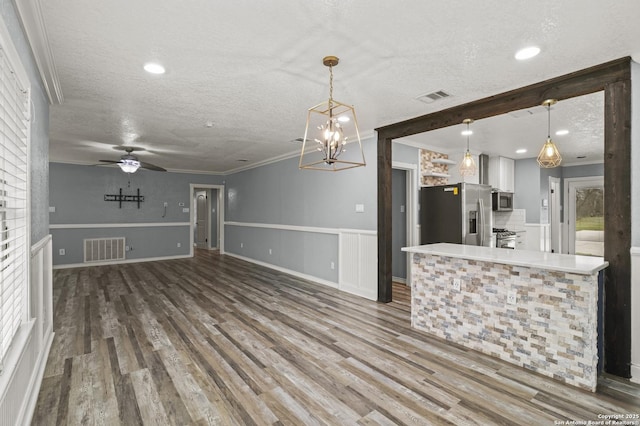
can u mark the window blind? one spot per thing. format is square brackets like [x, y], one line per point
[14, 238]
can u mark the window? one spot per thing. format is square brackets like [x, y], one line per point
[14, 193]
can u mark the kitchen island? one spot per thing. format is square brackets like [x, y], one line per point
[534, 309]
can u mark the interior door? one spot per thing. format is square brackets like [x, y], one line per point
[202, 222]
[586, 216]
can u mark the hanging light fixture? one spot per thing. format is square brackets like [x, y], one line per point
[549, 156]
[468, 164]
[330, 126]
[129, 166]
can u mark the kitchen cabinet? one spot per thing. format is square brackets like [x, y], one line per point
[521, 240]
[501, 173]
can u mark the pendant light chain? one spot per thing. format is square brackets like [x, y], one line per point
[549, 121]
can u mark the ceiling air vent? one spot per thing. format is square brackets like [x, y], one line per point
[433, 96]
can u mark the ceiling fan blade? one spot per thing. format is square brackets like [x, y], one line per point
[109, 161]
[153, 167]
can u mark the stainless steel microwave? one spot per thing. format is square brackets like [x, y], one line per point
[502, 201]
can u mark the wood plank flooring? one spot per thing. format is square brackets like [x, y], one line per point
[215, 340]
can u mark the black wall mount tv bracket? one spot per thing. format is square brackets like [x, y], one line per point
[125, 198]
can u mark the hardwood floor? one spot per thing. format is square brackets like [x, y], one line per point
[215, 340]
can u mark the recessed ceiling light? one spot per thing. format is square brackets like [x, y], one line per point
[153, 68]
[527, 53]
[562, 132]
[343, 119]
[466, 132]
[521, 151]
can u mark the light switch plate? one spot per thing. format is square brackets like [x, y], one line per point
[185, 210]
[52, 209]
[359, 208]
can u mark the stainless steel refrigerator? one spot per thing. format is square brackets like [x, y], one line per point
[459, 213]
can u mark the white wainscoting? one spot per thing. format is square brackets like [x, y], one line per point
[357, 257]
[24, 366]
[635, 314]
[358, 273]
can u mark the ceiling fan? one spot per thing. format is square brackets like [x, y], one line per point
[129, 163]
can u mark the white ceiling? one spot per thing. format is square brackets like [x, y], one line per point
[253, 68]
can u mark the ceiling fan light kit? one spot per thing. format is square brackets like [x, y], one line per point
[549, 156]
[331, 125]
[129, 163]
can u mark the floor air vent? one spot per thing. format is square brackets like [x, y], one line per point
[103, 249]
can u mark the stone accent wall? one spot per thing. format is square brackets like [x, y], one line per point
[426, 166]
[551, 329]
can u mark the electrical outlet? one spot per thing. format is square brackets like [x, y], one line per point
[62, 252]
[166, 204]
[241, 245]
[270, 251]
[179, 245]
[456, 284]
[512, 297]
[333, 265]
[127, 248]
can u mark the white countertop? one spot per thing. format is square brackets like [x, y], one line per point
[584, 265]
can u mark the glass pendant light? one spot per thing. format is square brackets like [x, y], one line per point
[549, 156]
[330, 126]
[468, 164]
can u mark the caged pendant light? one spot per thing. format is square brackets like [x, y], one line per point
[468, 164]
[549, 156]
[330, 126]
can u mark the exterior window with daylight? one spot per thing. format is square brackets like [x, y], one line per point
[14, 198]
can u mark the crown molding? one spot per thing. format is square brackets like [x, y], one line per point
[30, 15]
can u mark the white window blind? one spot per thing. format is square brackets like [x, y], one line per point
[14, 238]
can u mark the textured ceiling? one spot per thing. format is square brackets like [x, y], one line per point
[253, 68]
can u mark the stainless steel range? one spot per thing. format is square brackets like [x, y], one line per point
[505, 238]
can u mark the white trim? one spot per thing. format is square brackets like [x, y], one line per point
[312, 229]
[221, 193]
[412, 187]
[36, 380]
[287, 271]
[119, 262]
[30, 14]
[40, 244]
[569, 211]
[115, 225]
[635, 314]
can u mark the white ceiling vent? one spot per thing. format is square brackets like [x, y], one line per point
[433, 96]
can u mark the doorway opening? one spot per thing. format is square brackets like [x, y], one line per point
[404, 218]
[585, 216]
[206, 225]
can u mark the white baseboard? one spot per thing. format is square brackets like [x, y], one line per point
[635, 373]
[285, 270]
[635, 314]
[118, 262]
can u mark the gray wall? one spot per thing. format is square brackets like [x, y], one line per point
[39, 150]
[405, 154]
[77, 194]
[398, 223]
[532, 185]
[281, 194]
[527, 188]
